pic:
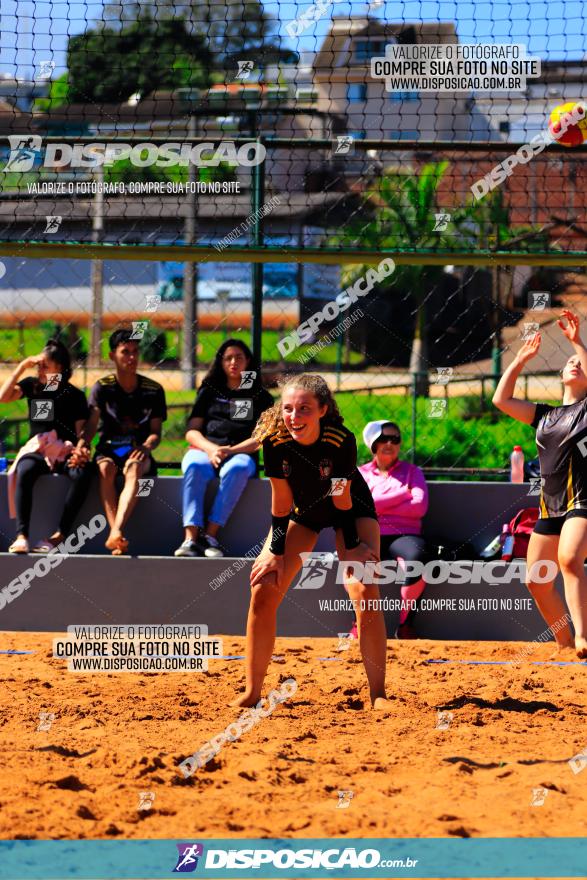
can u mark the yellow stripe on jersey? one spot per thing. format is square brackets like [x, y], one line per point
[570, 488]
[334, 436]
[332, 441]
[107, 380]
[543, 510]
[279, 437]
[149, 383]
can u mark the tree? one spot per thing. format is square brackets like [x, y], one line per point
[108, 65]
[401, 216]
[58, 94]
[232, 29]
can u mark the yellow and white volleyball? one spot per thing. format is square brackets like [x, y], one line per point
[568, 123]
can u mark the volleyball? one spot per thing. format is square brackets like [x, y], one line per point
[575, 134]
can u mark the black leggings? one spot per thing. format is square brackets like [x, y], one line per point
[410, 547]
[28, 470]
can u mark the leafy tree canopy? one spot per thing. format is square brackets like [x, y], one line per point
[108, 65]
[233, 30]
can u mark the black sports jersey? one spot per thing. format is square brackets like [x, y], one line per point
[561, 438]
[126, 416]
[69, 406]
[313, 471]
[223, 423]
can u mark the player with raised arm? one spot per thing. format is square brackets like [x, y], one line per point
[560, 535]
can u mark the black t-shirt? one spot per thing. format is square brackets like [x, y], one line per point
[229, 415]
[310, 470]
[561, 438]
[69, 406]
[126, 416]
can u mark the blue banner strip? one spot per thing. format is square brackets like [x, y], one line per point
[273, 858]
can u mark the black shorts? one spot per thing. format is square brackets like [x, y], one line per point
[324, 515]
[553, 525]
[120, 460]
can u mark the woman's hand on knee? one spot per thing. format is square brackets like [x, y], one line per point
[361, 553]
[267, 563]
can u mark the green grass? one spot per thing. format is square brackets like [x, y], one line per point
[17, 344]
[462, 438]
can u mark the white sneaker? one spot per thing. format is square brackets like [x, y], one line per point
[188, 548]
[210, 546]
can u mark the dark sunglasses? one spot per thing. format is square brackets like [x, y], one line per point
[389, 438]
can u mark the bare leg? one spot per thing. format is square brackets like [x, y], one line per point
[262, 619]
[191, 533]
[212, 529]
[571, 557]
[126, 504]
[370, 620]
[108, 471]
[546, 596]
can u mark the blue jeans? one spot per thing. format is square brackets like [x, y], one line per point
[197, 473]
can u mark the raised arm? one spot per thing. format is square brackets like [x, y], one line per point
[9, 390]
[571, 331]
[504, 399]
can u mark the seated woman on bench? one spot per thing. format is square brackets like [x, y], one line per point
[401, 499]
[57, 415]
[230, 400]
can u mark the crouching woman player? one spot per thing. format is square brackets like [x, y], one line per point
[307, 451]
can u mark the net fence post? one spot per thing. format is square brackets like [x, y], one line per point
[414, 416]
[97, 272]
[257, 200]
[190, 279]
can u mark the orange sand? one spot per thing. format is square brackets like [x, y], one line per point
[513, 729]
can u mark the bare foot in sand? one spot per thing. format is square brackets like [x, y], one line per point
[382, 704]
[581, 648]
[246, 701]
[563, 652]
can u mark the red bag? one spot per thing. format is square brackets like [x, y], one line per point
[521, 527]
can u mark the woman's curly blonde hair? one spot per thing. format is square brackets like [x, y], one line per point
[271, 420]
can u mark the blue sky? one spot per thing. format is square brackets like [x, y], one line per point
[35, 30]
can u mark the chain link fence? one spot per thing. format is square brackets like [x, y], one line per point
[278, 183]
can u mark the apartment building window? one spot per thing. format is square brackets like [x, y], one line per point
[356, 92]
[504, 127]
[366, 49]
[404, 96]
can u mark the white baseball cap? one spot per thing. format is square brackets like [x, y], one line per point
[373, 431]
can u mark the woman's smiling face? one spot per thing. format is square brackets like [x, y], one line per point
[302, 413]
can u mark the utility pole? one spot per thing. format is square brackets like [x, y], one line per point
[190, 279]
[257, 198]
[97, 272]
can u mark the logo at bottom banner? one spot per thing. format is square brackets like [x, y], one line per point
[187, 860]
[284, 859]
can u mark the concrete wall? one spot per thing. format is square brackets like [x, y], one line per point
[104, 590]
[473, 512]
[151, 587]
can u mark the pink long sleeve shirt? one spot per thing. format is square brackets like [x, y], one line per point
[400, 496]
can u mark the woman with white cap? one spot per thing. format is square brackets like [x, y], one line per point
[401, 499]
